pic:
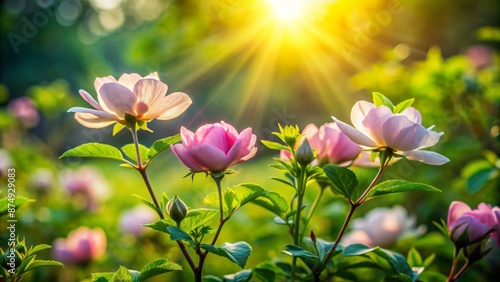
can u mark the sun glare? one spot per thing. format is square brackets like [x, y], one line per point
[287, 10]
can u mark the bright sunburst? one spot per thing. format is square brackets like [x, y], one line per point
[287, 10]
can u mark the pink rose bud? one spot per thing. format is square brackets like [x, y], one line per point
[378, 127]
[467, 226]
[215, 147]
[142, 98]
[81, 245]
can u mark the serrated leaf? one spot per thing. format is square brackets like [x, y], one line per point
[102, 276]
[273, 202]
[274, 145]
[96, 150]
[398, 186]
[197, 217]
[150, 204]
[179, 234]
[42, 263]
[342, 178]
[380, 100]
[240, 276]
[247, 192]
[267, 271]
[236, 197]
[237, 252]
[18, 202]
[403, 105]
[311, 260]
[130, 152]
[157, 267]
[161, 225]
[163, 145]
[122, 275]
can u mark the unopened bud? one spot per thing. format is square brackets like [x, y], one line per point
[304, 154]
[177, 209]
[313, 236]
[21, 248]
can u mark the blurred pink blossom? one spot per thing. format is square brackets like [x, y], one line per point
[382, 227]
[131, 220]
[87, 183]
[378, 127]
[481, 56]
[25, 110]
[467, 226]
[215, 147]
[142, 97]
[82, 245]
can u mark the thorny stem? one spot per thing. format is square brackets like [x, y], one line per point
[142, 170]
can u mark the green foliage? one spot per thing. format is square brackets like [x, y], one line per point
[197, 218]
[150, 270]
[380, 100]
[130, 152]
[96, 150]
[237, 252]
[7, 203]
[313, 262]
[344, 180]
[398, 186]
[272, 202]
[236, 197]
[162, 145]
[179, 234]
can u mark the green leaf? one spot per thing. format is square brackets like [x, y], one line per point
[163, 145]
[157, 267]
[196, 218]
[283, 181]
[26, 262]
[403, 105]
[96, 150]
[380, 100]
[102, 276]
[267, 271]
[343, 179]
[147, 203]
[273, 202]
[118, 127]
[179, 234]
[18, 202]
[414, 258]
[247, 192]
[323, 247]
[237, 252]
[240, 276]
[311, 260]
[274, 145]
[235, 198]
[161, 225]
[122, 275]
[37, 248]
[129, 151]
[479, 178]
[398, 186]
[212, 278]
[42, 263]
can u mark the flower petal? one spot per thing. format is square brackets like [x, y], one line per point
[99, 81]
[92, 121]
[412, 114]
[217, 137]
[116, 98]
[233, 154]
[402, 134]
[187, 137]
[456, 210]
[87, 97]
[129, 80]
[433, 138]
[355, 135]
[208, 156]
[174, 105]
[181, 152]
[373, 122]
[427, 157]
[358, 114]
[151, 92]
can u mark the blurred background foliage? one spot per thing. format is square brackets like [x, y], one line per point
[242, 64]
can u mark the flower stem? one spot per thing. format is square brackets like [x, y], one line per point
[313, 209]
[461, 271]
[453, 265]
[142, 170]
[372, 184]
[297, 238]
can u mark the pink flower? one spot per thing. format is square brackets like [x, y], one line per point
[382, 227]
[467, 226]
[215, 147]
[81, 245]
[25, 110]
[87, 184]
[329, 142]
[378, 127]
[142, 97]
[131, 220]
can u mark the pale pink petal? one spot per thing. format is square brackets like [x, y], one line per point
[433, 139]
[229, 128]
[412, 114]
[99, 81]
[246, 137]
[129, 80]
[181, 152]
[427, 157]
[358, 114]
[97, 113]
[87, 97]
[249, 156]
[373, 122]
[92, 121]
[402, 134]
[315, 137]
[187, 137]
[208, 156]
[151, 92]
[355, 135]
[116, 98]
[456, 210]
[174, 105]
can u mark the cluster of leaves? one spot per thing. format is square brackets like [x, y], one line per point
[150, 270]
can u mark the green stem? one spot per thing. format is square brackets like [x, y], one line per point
[313, 209]
[297, 238]
[453, 265]
[372, 184]
[461, 271]
[142, 170]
